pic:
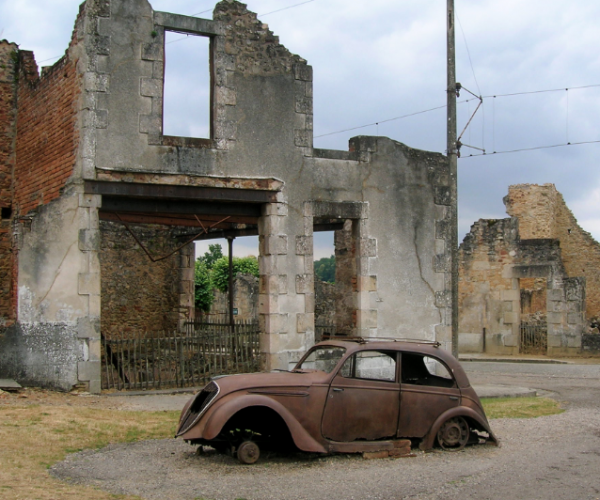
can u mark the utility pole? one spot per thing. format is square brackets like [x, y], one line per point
[452, 153]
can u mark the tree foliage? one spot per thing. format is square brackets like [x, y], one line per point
[325, 269]
[241, 265]
[215, 252]
[203, 290]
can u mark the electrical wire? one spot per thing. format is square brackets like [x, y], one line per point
[381, 121]
[532, 149]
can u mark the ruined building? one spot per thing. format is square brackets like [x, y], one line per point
[529, 283]
[99, 207]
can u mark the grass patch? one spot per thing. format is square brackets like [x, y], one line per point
[36, 437]
[520, 407]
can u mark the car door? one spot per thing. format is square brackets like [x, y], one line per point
[427, 390]
[363, 398]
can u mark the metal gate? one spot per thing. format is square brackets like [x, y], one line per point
[534, 338]
[159, 360]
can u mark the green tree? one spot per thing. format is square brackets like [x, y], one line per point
[325, 269]
[203, 288]
[241, 265]
[215, 252]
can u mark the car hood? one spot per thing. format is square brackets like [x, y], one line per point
[275, 380]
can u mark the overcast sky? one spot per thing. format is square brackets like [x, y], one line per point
[378, 60]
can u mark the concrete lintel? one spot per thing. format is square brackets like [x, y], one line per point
[188, 24]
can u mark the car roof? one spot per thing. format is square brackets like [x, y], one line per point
[423, 347]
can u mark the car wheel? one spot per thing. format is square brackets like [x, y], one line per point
[248, 452]
[453, 434]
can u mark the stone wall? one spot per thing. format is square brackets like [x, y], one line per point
[245, 300]
[542, 212]
[139, 295]
[514, 271]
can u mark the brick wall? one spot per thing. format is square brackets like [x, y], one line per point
[542, 210]
[47, 136]
[8, 53]
[137, 294]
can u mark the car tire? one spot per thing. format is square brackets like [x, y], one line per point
[454, 434]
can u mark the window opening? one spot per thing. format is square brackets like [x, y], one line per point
[424, 370]
[371, 365]
[187, 86]
[324, 280]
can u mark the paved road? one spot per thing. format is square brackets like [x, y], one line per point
[555, 457]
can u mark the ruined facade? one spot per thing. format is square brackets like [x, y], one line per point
[99, 207]
[537, 271]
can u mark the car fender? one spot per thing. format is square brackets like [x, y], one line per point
[221, 415]
[458, 411]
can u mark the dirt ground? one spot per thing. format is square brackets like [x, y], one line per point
[554, 457]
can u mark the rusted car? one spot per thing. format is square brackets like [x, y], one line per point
[351, 396]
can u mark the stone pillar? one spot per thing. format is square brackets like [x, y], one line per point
[345, 280]
[272, 285]
[88, 328]
[187, 260]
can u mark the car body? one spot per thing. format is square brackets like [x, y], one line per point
[349, 396]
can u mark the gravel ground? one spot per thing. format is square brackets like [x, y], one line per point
[550, 457]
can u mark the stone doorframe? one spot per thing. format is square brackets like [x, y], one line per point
[286, 284]
[565, 307]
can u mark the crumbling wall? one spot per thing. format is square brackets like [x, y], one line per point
[47, 132]
[245, 300]
[486, 295]
[542, 212]
[500, 274]
[8, 121]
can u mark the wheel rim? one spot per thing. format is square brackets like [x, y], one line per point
[248, 452]
[453, 434]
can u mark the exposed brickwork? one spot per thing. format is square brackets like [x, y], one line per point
[542, 212]
[138, 295]
[47, 136]
[8, 115]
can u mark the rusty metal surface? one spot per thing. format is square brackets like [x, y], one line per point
[174, 192]
[340, 412]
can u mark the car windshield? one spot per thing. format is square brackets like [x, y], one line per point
[323, 358]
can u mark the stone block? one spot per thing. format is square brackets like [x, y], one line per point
[275, 245]
[555, 318]
[88, 370]
[89, 240]
[514, 295]
[88, 284]
[151, 87]
[304, 283]
[556, 294]
[304, 245]
[279, 209]
[510, 340]
[90, 200]
[268, 303]
[575, 318]
[303, 72]
[510, 317]
[305, 322]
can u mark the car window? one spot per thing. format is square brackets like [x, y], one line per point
[323, 358]
[418, 369]
[372, 365]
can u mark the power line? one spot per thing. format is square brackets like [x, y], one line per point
[520, 150]
[381, 121]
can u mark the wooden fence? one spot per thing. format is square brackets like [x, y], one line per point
[160, 360]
